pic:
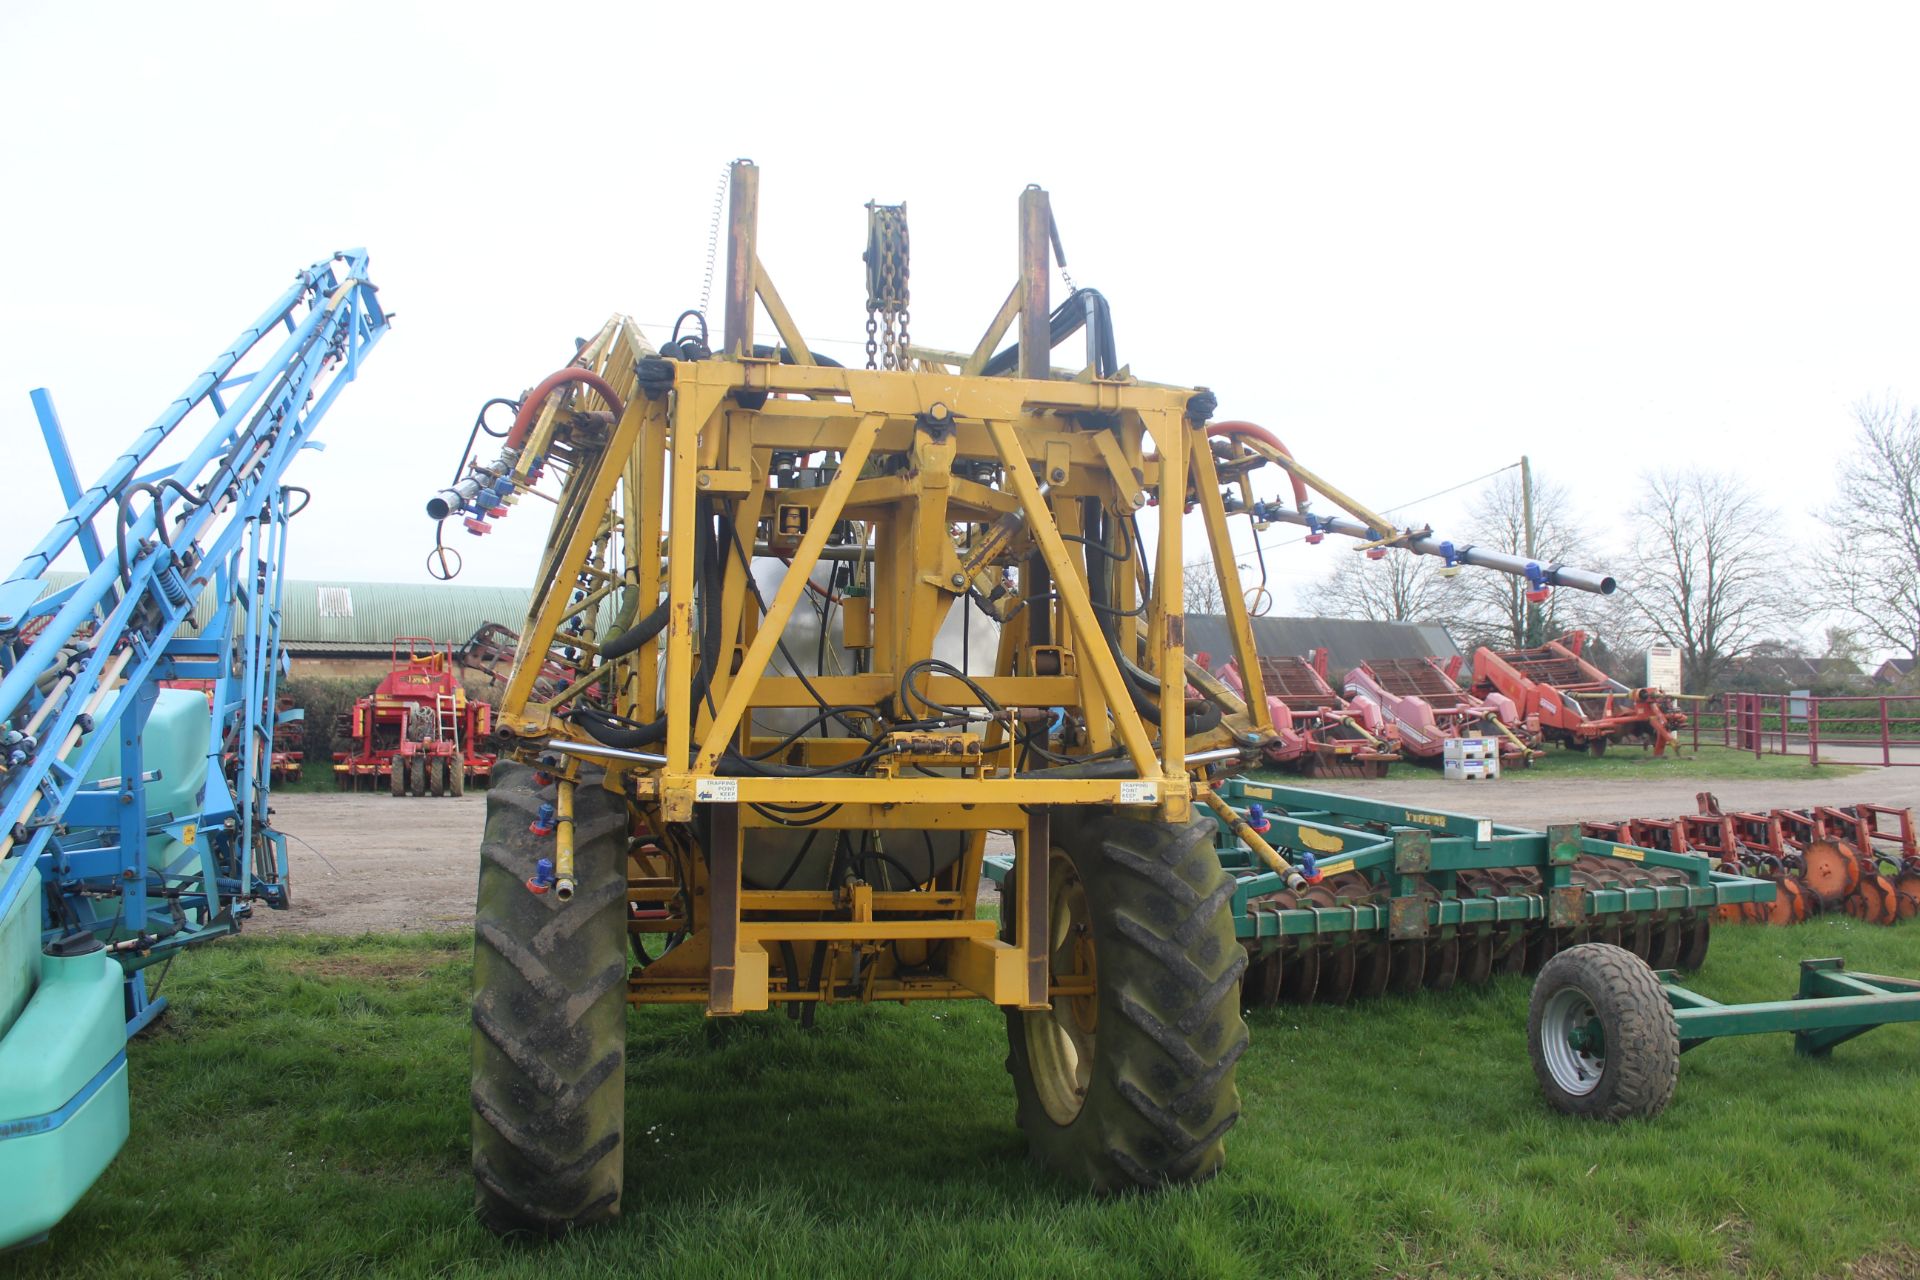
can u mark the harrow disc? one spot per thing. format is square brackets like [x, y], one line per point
[1511, 950]
[1409, 967]
[1638, 937]
[1372, 968]
[1874, 902]
[1443, 963]
[1338, 968]
[1261, 988]
[1790, 904]
[1476, 956]
[1696, 932]
[1907, 890]
[1300, 979]
[1542, 945]
[1666, 944]
[1832, 872]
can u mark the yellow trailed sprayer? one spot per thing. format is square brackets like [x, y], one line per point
[826, 629]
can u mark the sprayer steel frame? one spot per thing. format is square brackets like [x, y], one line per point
[715, 434]
[713, 423]
[228, 554]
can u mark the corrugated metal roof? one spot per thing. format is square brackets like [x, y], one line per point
[1348, 642]
[369, 615]
[364, 617]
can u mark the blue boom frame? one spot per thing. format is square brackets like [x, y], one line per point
[200, 540]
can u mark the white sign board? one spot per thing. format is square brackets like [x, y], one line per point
[1663, 668]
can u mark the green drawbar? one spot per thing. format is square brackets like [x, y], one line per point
[63, 1073]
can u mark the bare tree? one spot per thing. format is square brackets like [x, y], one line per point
[1493, 607]
[1201, 587]
[1398, 587]
[1705, 573]
[1871, 576]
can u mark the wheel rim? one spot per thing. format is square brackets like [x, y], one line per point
[1571, 1041]
[1060, 1039]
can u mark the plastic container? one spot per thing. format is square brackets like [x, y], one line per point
[63, 1076]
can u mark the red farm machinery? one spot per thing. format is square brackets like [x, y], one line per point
[1318, 731]
[1563, 698]
[489, 652]
[418, 732]
[1861, 859]
[1421, 699]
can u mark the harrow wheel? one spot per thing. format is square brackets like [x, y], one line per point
[1337, 971]
[1301, 981]
[1602, 1035]
[1133, 1086]
[1372, 968]
[1832, 873]
[1510, 950]
[397, 776]
[1666, 943]
[1790, 904]
[1542, 945]
[1874, 902]
[1907, 890]
[549, 1016]
[456, 777]
[1696, 931]
[1443, 963]
[1476, 956]
[1261, 988]
[1409, 967]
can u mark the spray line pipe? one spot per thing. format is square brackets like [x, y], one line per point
[1553, 575]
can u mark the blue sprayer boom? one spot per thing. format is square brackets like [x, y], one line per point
[133, 815]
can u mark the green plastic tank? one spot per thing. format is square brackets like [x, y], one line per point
[63, 1073]
[175, 743]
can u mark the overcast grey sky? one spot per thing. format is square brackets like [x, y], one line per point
[1416, 241]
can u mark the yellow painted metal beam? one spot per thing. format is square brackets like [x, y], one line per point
[1073, 594]
[760, 656]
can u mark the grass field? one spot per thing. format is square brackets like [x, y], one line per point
[1635, 762]
[302, 1111]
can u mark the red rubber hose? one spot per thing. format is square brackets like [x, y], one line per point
[530, 407]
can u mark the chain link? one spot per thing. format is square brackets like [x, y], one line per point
[887, 290]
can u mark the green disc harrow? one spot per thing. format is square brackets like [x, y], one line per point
[1375, 897]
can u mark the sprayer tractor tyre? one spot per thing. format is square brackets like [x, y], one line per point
[397, 777]
[549, 1015]
[457, 778]
[1133, 1087]
[1626, 1060]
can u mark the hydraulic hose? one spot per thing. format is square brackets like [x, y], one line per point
[608, 730]
[636, 635]
[1229, 430]
[1143, 690]
[530, 407]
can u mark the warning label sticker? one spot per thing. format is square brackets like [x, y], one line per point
[1139, 793]
[716, 790]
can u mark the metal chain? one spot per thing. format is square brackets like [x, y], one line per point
[887, 267]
